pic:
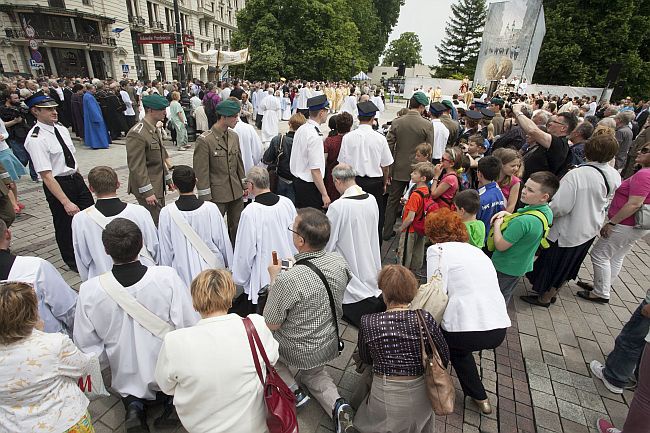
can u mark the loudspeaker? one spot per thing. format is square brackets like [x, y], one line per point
[613, 72]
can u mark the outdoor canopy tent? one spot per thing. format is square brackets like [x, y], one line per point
[361, 76]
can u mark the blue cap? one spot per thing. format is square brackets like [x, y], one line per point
[317, 103]
[367, 109]
[38, 99]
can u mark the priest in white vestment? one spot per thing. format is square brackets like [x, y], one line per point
[350, 104]
[102, 325]
[56, 299]
[354, 218]
[271, 119]
[304, 93]
[263, 228]
[379, 103]
[184, 252]
[88, 225]
[250, 145]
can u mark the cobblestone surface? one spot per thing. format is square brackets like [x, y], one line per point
[537, 380]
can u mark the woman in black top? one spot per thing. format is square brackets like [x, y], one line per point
[390, 342]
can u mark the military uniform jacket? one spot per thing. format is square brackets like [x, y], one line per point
[145, 156]
[218, 166]
[404, 135]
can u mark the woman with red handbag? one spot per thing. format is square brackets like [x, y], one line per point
[209, 367]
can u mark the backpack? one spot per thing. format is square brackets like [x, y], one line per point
[428, 205]
[506, 221]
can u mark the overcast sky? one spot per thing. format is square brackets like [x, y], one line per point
[427, 18]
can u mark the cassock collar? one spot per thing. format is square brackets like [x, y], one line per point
[188, 202]
[352, 191]
[267, 199]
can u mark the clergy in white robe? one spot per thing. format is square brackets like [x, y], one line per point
[271, 119]
[88, 225]
[182, 251]
[379, 103]
[263, 228]
[354, 235]
[350, 106]
[250, 145]
[303, 94]
[56, 299]
[101, 326]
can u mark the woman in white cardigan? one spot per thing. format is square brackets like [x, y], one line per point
[579, 209]
[476, 317]
[209, 367]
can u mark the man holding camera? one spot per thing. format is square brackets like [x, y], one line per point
[302, 309]
[14, 116]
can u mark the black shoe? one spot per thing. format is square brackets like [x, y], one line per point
[585, 294]
[584, 285]
[390, 236]
[342, 415]
[73, 267]
[534, 300]
[553, 299]
[135, 420]
[302, 398]
[168, 418]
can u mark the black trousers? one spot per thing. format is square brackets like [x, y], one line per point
[352, 312]
[76, 190]
[160, 397]
[258, 121]
[375, 187]
[395, 191]
[307, 195]
[461, 345]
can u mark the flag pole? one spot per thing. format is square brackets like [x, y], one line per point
[248, 50]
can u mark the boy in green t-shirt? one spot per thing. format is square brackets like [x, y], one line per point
[516, 246]
[468, 203]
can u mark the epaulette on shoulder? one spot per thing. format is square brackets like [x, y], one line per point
[205, 134]
[138, 127]
[35, 131]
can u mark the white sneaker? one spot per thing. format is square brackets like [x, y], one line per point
[597, 369]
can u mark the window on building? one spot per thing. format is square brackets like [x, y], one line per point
[157, 50]
[212, 6]
[172, 51]
[56, 3]
[160, 70]
[221, 13]
[137, 48]
[86, 3]
[229, 17]
[150, 12]
[129, 9]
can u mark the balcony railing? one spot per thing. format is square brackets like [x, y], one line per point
[137, 21]
[62, 36]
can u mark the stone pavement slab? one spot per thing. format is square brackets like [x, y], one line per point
[538, 379]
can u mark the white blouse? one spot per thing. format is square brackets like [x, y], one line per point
[38, 384]
[470, 280]
[5, 134]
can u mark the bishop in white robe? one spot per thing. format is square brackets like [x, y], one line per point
[263, 228]
[177, 251]
[87, 228]
[250, 145]
[354, 218]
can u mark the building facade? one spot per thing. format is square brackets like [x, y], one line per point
[111, 38]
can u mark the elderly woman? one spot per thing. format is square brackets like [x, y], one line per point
[390, 342]
[178, 120]
[190, 358]
[619, 234]
[579, 209]
[246, 108]
[475, 318]
[38, 378]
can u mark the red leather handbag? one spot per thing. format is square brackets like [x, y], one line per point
[280, 401]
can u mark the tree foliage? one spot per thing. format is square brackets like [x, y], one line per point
[582, 42]
[313, 39]
[407, 48]
[458, 52]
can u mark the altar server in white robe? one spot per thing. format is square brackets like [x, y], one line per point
[178, 249]
[271, 119]
[102, 326]
[56, 299]
[379, 103]
[263, 228]
[250, 145]
[87, 225]
[354, 235]
[350, 104]
[304, 93]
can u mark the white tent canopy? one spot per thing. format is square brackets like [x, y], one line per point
[361, 76]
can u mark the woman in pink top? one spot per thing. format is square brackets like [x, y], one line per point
[443, 190]
[508, 180]
[619, 234]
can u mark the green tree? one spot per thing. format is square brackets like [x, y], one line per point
[581, 43]
[406, 48]
[458, 52]
[311, 39]
[372, 36]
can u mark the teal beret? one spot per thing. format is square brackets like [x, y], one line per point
[497, 101]
[228, 108]
[447, 103]
[421, 98]
[155, 102]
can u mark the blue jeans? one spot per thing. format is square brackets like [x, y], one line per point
[18, 148]
[286, 189]
[628, 348]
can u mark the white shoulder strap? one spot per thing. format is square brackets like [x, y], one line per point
[193, 237]
[133, 308]
[102, 222]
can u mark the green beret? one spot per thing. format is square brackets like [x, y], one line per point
[447, 103]
[155, 102]
[228, 108]
[497, 101]
[421, 98]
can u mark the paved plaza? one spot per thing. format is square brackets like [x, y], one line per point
[538, 380]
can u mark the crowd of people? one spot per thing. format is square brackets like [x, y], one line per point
[287, 229]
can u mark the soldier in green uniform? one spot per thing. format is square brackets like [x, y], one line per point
[219, 167]
[7, 200]
[147, 157]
